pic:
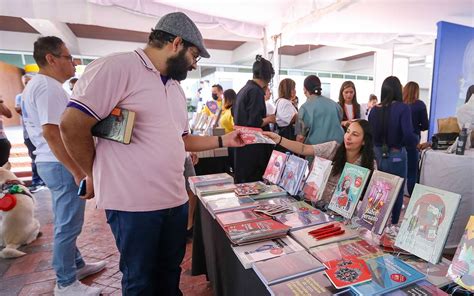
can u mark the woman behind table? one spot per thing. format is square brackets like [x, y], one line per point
[5, 145]
[393, 131]
[286, 112]
[419, 116]
[348, 102]
[356, 149]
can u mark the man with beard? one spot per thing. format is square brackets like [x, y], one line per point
[141, 185]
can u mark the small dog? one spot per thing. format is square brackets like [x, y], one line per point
[18, 226]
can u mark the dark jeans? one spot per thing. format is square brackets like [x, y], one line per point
[412, 171]
[395, 164]
[5, 147]
[152, 246]
[35, 179]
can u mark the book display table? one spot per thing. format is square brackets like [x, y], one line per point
[453, 173]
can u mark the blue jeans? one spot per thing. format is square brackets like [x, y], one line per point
[68, 211]
[395, 164]
[152, 246]
[412, 168]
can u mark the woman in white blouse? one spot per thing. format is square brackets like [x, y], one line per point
[286, 112]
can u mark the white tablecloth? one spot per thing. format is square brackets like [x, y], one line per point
[454, 173]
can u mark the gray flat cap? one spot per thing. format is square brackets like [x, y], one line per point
[179, 24]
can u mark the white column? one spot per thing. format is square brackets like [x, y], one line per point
[383, 67]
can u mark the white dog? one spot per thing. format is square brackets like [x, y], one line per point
[18, 226]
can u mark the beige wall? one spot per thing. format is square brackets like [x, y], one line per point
[10, 86]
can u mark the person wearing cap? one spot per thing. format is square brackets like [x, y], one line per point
[320, 116]
[141, 185]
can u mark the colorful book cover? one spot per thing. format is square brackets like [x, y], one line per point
[293, 173]
[421, 288]
[427, 221]
[310, 285]
[461, 269]
[349, 248]
[348, 190]
[302, 215]
[214, 189]
[212, 179]
[275, 167]
[227, 218]
[252, 135]
[230, 204]
[212, 106]
[250, 188]
[264, 250]
[118, 126]
[245, 232]
[286, 267]
[270, 191]
[347, 273]
[284, 200]
[435, 273]
[316, 181]
[388, 273]
[308, 241]
[378, 201]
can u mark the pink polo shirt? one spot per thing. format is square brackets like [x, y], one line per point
[147, 174]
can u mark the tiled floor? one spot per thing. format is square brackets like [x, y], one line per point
[32, 274]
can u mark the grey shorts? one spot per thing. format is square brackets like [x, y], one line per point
[188, 171]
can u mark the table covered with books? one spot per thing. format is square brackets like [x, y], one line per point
[255, 239]
[453, 173]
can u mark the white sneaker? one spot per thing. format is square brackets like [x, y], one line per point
[90, 268]
[76, 288]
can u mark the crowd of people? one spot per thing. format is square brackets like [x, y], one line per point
[150, 229]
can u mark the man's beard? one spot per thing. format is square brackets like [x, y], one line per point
[178, 66]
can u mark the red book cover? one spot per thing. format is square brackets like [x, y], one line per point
[275, 167]
[249, 231]
[242, 216]
[345, 275]
[252, 135]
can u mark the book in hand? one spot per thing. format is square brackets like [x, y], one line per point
[252, 135]
[249, 232]
[348, 272]
[293, 174]
[314, 235]
[461, 270]
[316, 181]
[349, 248]
[314, 284]
[421, 288]
[118, 126]
[348, 190]
[388, 273]
[286, 267]
[275, 167]
[378, 201]
[227, 218]
[302, 215]
[427, 222]
[264, 250]
[211, 179]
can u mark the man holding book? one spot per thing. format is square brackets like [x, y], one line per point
[43, 102]
[141, 185]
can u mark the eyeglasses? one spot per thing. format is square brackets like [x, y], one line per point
[68, 57]
[196, 56]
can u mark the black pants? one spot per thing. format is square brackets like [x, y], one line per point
[5, 147]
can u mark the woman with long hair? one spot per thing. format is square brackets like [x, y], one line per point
[419, 116]
[348, 103]
[285, 111]
[393, 131]
[357, 149]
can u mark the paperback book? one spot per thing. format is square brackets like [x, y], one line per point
[421, 288]
[249, 232]
[348, 190]
[348, 272]
[461, 270]
[388, 273]
[118, 126]
[270, 191]
[275, 167]
[293, 173]
[302, 215]
[212, 179]
[250, 188]
[435, 273]
[230, 204]
[427, 221]
[214, 189]
[264, 250]
[242, 216]
[315, 284]
[349, 248]
[316, 181]
[283, 200]
[286, 267]
[378, 201]
[306, 239]
[252, 135]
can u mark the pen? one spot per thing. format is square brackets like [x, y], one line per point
[331, 234]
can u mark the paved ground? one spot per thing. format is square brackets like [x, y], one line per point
[32, 274]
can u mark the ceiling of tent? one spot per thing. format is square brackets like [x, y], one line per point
[311, 33]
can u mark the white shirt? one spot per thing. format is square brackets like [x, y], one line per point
[270, 107]
[350, 111]
[43, 102]
[285, 110]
